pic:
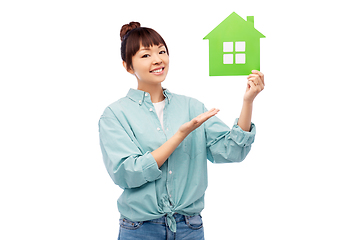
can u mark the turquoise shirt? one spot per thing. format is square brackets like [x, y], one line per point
[130, 130]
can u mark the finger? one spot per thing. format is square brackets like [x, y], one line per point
[257, 81]
[213, 111]
[248, 86]
[262, 78]
[257, 72]
[254, 82]
[206, 115]
[256, 87]
[195, 121]
[253, 76]
[261, 75]
[253, 85]
[210, 113]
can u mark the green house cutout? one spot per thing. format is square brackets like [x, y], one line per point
[234, 47]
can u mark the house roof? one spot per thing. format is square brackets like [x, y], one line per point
[235, 26]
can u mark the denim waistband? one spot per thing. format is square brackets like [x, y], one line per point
[169, 220]
[178, 218]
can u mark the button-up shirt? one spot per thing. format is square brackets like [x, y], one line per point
[130, 130]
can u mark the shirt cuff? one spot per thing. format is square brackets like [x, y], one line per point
[241, 137]
[151, 172]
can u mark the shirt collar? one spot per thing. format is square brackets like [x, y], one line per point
[168, 95]
[139, 96]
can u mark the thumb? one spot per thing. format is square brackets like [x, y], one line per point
[251, 84]
[194, 121]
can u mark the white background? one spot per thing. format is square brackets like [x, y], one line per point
[60, 68]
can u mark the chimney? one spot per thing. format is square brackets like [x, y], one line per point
[250, 19]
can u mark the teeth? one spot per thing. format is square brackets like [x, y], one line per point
[157, 71]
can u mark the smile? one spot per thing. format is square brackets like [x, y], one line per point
[158, 70]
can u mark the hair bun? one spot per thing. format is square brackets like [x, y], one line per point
[127, 28]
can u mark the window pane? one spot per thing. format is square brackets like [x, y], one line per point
[240, 58]
[228, 59]
[228, 46]
[239, 46]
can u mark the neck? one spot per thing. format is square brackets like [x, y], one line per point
[155, 91]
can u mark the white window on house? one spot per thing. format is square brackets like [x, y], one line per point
[228, 46]
[239, 46]
[228, 58]
[230, 54]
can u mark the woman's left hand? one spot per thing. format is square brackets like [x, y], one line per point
[254, 86]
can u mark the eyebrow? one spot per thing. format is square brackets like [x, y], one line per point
[148, 48]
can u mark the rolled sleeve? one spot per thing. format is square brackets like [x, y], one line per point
[241, 137]
[226, 145]
[126, 163]
[151, 171]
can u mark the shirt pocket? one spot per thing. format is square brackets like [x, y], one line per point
[131, 225]
[186, 145]
[194, 143]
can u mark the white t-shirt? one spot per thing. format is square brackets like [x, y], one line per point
[159, 108]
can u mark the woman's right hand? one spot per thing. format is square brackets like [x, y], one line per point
[196, 122]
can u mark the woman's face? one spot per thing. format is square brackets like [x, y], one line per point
[150, 65]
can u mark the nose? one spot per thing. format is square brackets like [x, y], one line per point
[157, 59]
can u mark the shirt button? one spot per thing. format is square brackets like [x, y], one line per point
[158, 129]
[150, 109]
[170, 172]
[140, 101]
[146, 94]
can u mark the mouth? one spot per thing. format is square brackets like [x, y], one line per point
[158, 71]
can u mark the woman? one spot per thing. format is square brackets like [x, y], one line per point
[155, 144]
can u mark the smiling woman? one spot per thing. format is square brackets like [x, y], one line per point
[155, 144]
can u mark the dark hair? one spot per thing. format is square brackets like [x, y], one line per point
[132, 36]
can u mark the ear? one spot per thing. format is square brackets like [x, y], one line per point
[128, 70]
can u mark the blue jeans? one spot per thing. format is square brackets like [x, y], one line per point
[187, 228]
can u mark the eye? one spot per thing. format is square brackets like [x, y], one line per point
[162, 52]
[145, 56]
